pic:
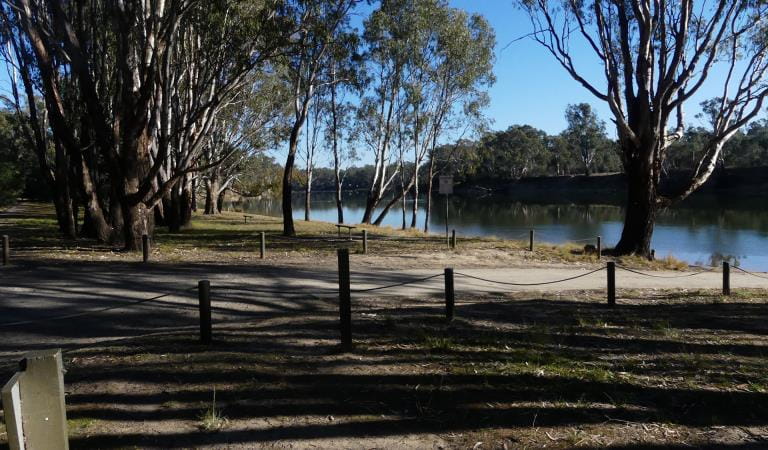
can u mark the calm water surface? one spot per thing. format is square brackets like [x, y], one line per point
[702, 230]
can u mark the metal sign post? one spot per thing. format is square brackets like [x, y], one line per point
[446, 188]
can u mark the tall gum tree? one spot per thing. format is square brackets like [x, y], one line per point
[428, 64]
[318, 25]
[655, 56]
[149, 96]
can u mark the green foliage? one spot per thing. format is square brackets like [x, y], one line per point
[261, 174]
[585, 135]
[10, 182]
[19, 174]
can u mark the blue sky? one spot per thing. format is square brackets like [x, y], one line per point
[531, 87]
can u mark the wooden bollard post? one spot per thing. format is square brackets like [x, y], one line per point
[611, 283]
[450, 294]
[453, 239]
[726, 278]
[204, 297]
[599, 247]
[145, 247]
[245, 219]
[345, 300]
[6, 249]
[365, 241]
[262, 245]
[530, 241]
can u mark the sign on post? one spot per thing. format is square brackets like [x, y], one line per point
[446, 184]
[33, 402]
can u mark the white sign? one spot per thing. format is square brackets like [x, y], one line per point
[446, 184]
[33, 401]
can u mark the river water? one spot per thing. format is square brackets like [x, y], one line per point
[703, 230]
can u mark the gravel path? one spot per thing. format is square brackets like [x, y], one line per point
[92, 302]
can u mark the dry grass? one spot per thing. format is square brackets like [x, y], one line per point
[226, 238]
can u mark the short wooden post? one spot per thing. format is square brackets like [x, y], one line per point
[450, 294]
[6, 249]
[145, 247]
[365, 241]
[245, 218]
[611, 283]
[530, 241]
[345, 300]
[262, 245]
[599, 247]
[204, 297]
[726, 278]
[453, 239]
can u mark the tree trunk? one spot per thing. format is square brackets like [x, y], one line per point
[178, 210]
[403, 193]
[193, 197]
[339, 201]
[288, 228]
[336, 156]
[640, 211]
[65, 210]
[139, 220]
[370, 204]
[308, 195]
[415, 207]
[187, 203]
[402, 201]
[102, 230]
[211, 194]
[173, 211]
[220, 199]
[115, 212]
[430, 180]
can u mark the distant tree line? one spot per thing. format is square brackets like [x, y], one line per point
[583, 148]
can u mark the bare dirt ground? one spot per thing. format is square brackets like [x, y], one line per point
[674, 364]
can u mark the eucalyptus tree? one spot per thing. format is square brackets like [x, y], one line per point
[461, 78]
[343, 76]
[54, 161]
[247, 127]
[655, 56]
[319, 24]
[311, 137]
[379, 111]
[585, 134]
[149, 98]
[429, 64]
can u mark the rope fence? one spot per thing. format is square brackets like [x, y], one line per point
[345, 292]
[404, 283]
[663, 276]
[543, 283]
[751, 273]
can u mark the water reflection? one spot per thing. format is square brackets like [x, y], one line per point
[703, 230]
